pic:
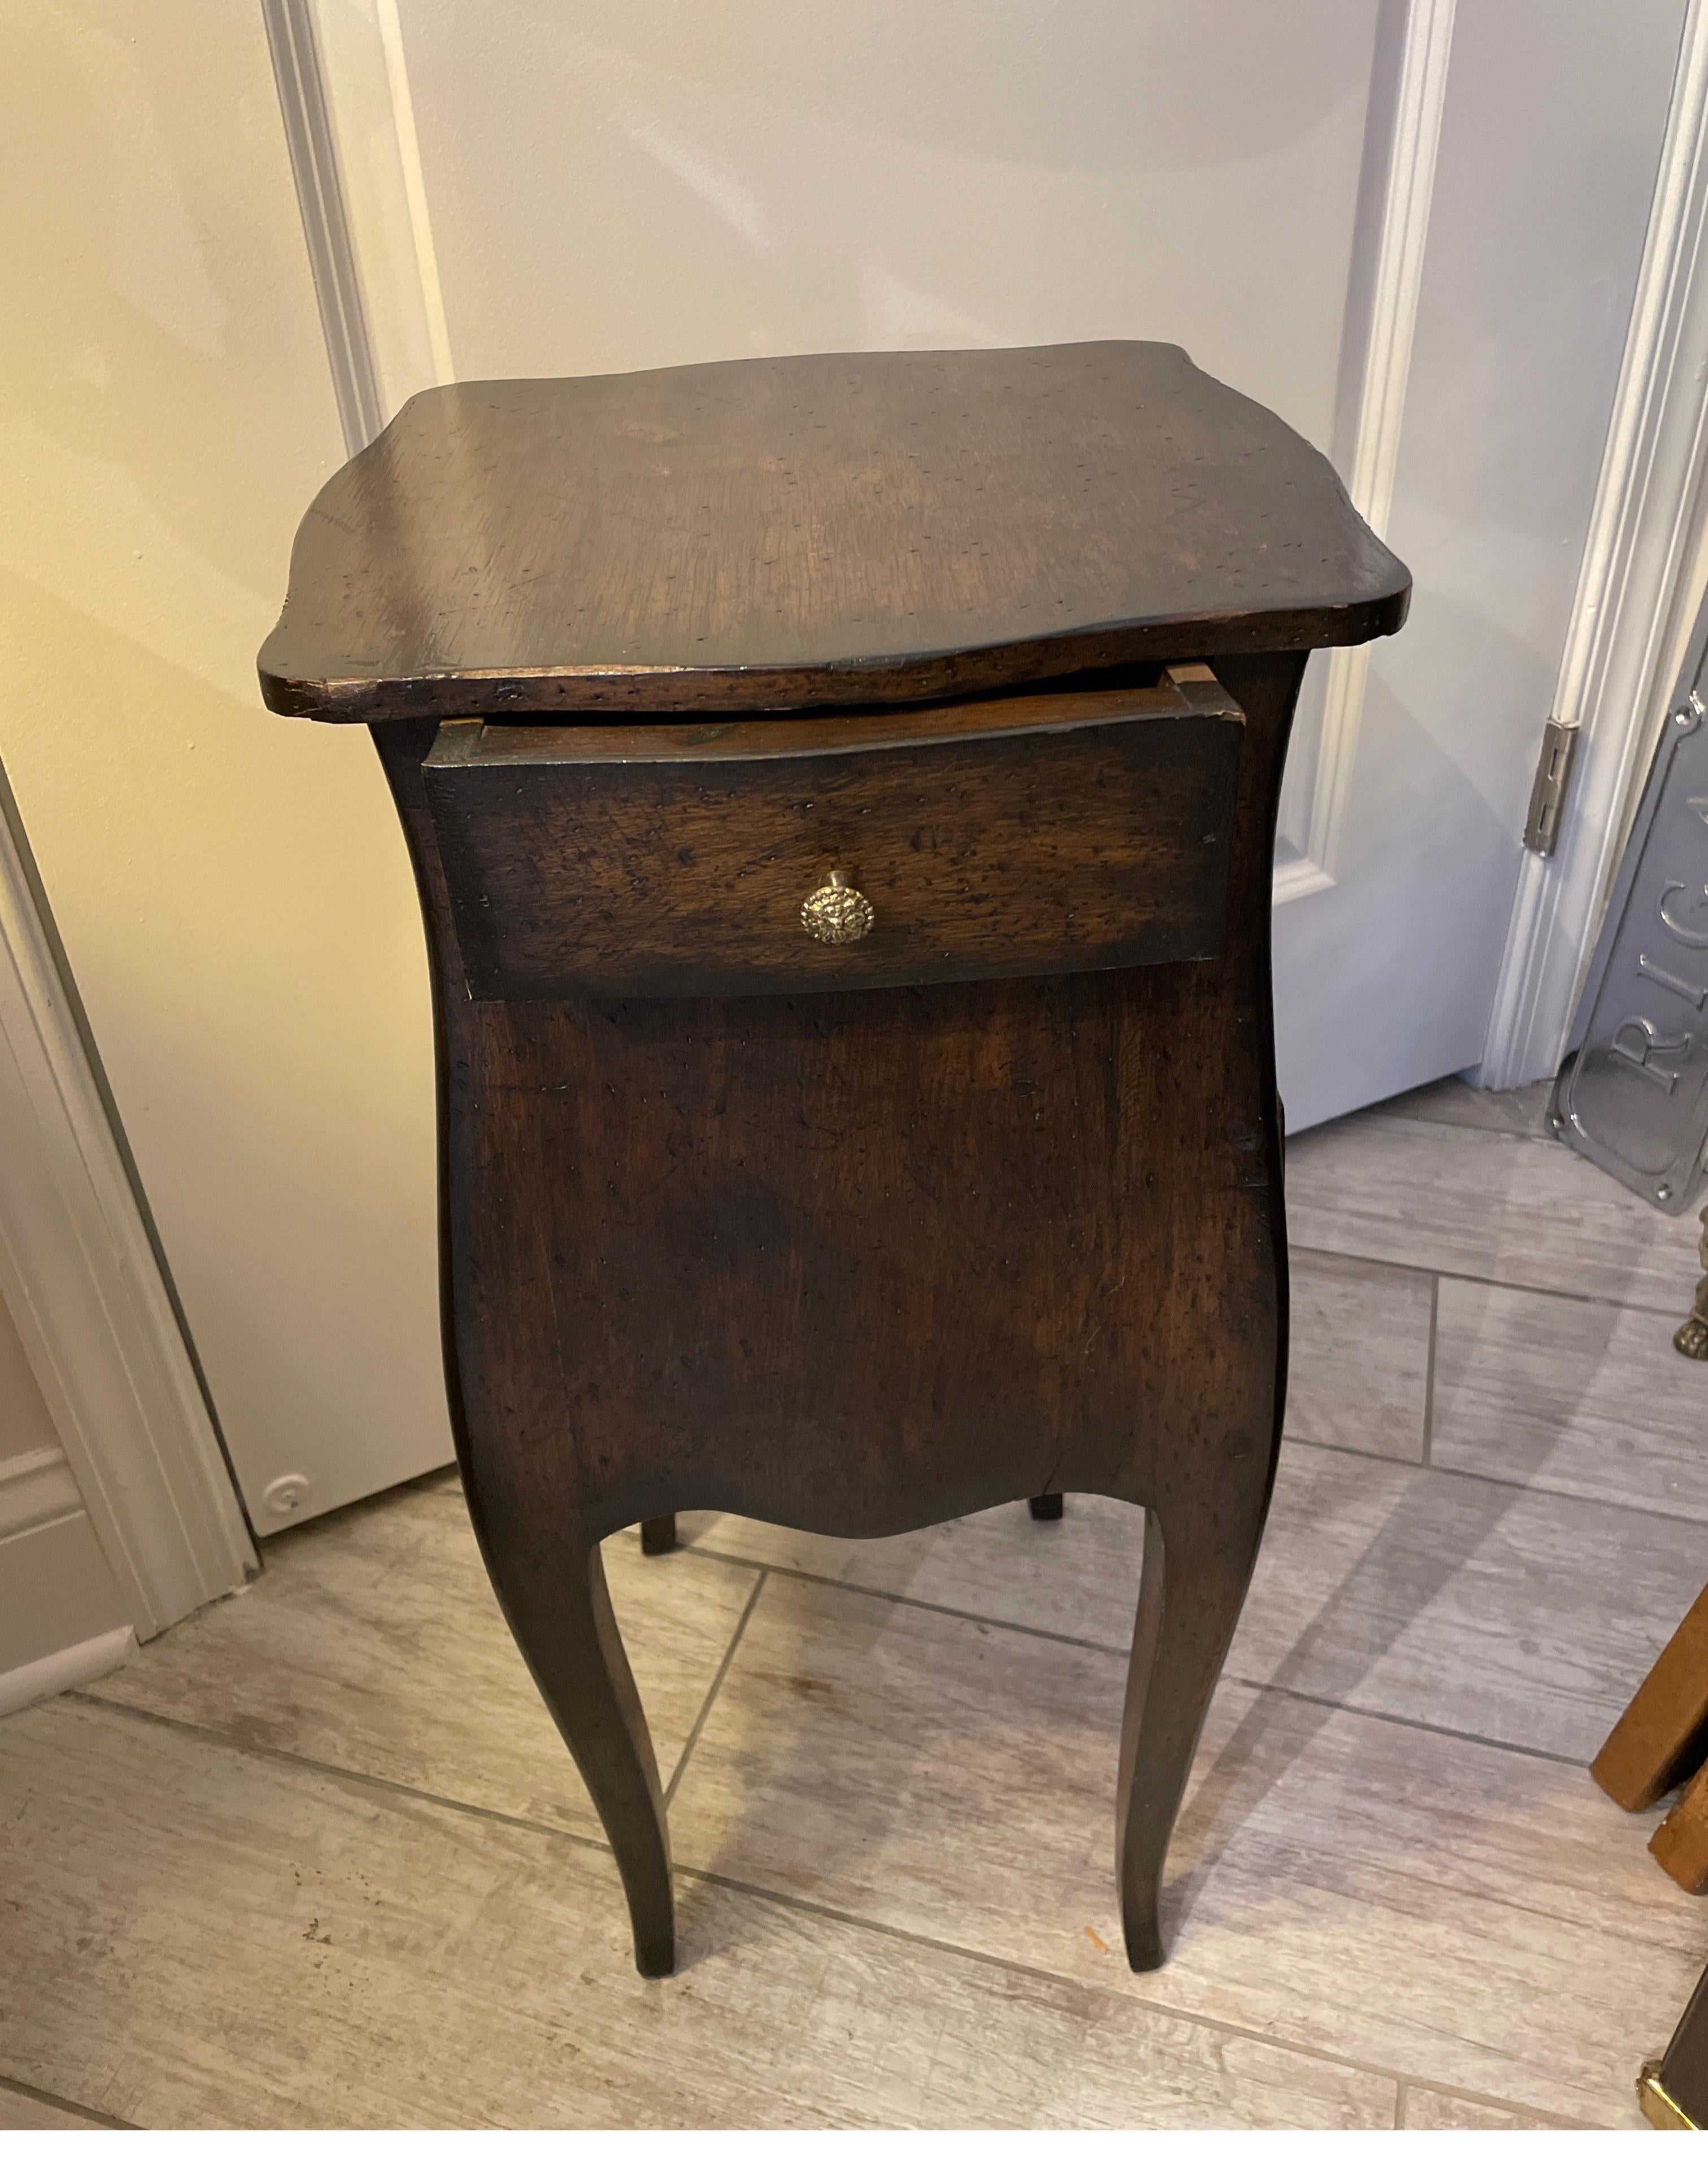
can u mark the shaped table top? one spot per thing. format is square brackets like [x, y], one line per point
[799, 531]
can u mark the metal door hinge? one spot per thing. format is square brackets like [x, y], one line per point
[1548, 796]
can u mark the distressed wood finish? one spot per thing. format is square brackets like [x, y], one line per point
[1088, 834]
[815, 530]
[862, 1261]
[1662, 1735]
[849, 1260]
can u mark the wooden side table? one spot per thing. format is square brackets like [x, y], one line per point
[842, 792]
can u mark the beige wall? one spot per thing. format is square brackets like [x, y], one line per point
[232, 892]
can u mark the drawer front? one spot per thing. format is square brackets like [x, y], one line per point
[981, 848]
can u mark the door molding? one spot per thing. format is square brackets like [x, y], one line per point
[1313, 814]
[344, 94]
[79, 1273]
[1633, 608]
[296, 70]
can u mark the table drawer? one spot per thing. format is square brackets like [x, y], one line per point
[1016, 835]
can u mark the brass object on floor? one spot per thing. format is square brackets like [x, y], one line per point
[1672, 2091]
[1691, 1338]
[1659, 2110]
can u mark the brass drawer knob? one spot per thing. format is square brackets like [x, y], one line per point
[838, 914]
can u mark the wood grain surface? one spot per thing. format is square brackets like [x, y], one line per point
[993, 847]
[805, 530]
[1661, 1736]
[1680, 1842]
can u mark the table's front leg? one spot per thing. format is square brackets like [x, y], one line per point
[545, 1564]
[550, 1581]
[1202, 1534]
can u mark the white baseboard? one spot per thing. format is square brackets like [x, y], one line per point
[65, 1669]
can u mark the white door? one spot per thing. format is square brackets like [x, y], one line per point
[1481, 442]
[1412, 230]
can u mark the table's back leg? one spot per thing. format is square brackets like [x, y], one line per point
[558, 1608]
[1200, 1545]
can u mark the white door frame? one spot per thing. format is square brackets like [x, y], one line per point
[1384, 290]
[79, 1274]
[344, 92]
[1636, 598]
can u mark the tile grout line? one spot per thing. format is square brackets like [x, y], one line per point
[88, 1696]
[1400, 2089]
[1117, 1652]
[705, 1710]
[1061, 1979]
[1577, 1499]
[1495, 1483]
[66, 2105]
[347, 1773]
[895, 1597]
[1542, 1135]
[1065, 1980]
[1090, 1643]
[1358, 1453]
[1486, 1280]
[1554, 2120]
[1429, 1368]
[924, 1604]
[1393, 1718]
[1114, 1651]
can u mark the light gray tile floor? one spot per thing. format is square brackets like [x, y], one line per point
[317, 1857]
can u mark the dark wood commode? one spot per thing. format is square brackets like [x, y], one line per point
[842, 792]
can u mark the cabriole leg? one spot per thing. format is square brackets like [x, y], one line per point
[559, 1612]
[1199, 1556]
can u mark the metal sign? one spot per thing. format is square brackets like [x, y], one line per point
[1632, 1095]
